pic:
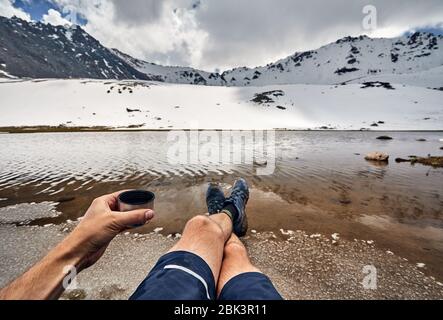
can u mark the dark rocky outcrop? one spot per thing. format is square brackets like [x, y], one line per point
[267, 97]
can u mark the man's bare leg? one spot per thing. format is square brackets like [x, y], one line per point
[235, 262]
[206, 237]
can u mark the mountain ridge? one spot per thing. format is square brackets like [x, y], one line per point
[60, 52]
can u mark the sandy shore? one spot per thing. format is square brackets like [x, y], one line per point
[302, 266]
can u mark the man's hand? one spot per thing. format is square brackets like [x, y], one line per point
[101, 223]
[81, 249]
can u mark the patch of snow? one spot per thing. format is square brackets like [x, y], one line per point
[158, 230]
[68, 34]
[421, 265]
[106, 63]
[6, 75]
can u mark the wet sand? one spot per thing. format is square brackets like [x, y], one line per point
[302, 266]
[419, 240]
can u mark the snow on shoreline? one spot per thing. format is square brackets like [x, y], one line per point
[150, 105]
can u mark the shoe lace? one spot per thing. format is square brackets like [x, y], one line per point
[215, 203]
[238, 194]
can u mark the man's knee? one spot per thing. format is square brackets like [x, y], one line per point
[200, 224]
[235, 248]
[237, 255]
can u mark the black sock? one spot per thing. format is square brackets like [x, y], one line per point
[232, 210]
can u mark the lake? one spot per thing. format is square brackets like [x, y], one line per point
[321, 183]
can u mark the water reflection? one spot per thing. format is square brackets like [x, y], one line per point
[325, 169]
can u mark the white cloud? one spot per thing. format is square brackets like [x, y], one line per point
[8, 10]
[158, 31]
[213, 34]
[55, 18]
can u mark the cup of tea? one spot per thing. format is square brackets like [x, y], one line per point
[135, 199]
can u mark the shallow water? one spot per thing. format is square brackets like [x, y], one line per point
[321, 182]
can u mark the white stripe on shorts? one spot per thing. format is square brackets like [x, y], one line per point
[192, 273]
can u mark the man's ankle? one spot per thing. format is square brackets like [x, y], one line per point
[231, 211]
[228, 213]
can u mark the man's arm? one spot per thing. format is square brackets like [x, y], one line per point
[81, 249]
[45, 279]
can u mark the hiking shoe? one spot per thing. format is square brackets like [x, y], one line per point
[238, 199]
[215, 199]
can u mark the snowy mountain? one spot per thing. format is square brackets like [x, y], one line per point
[348, 59]
[38, 50]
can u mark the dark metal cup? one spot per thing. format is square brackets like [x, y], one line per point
[136, 199]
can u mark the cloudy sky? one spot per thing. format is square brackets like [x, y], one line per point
[220, 34]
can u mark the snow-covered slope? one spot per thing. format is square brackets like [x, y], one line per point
[432, 78]
[348, 59]
[171, 74]
[154, 105]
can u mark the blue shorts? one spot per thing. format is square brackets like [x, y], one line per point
[185, 276]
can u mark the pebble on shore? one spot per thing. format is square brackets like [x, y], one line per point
[335, 236]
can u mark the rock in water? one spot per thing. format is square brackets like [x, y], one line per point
[384, 138]
[377, 156]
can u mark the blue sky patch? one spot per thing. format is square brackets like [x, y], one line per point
[38, 8]
[434, 30]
